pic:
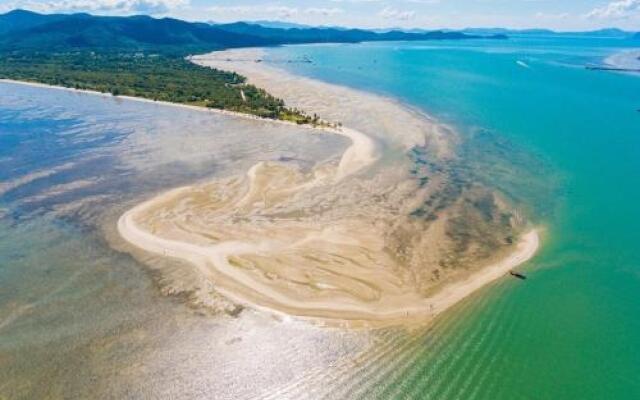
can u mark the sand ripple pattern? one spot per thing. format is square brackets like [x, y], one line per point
[388, 232]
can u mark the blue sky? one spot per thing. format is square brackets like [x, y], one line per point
[557, 14]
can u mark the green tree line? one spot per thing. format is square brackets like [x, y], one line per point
[162, 77]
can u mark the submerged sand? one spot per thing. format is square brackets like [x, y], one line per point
[390, 232]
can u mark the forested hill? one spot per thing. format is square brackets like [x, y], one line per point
[328, 35]
[25, 30]
[145, 57]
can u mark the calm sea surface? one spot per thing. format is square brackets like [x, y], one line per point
[563, 140]
[81, 320]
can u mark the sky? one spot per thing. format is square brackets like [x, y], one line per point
[428, 14]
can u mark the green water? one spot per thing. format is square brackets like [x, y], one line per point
[80, 319]
[563, 141]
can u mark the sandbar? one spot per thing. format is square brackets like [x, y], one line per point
[384, 235]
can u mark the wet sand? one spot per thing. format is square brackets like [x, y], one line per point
[211, 260]
[339, 243]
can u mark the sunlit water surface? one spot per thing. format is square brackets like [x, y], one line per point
[80, 320]
[562, 140]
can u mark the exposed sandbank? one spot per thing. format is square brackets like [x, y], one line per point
[374, 239]
[214, 260]
[376, 116]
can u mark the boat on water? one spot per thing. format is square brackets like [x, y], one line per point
[518, 275]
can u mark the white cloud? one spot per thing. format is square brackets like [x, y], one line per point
[281, 12]
[102, 6]
[430, 2]
[324, 11]
[356, 1]
[395, 14]
[232, 9]
[618, 9]
[559, 16]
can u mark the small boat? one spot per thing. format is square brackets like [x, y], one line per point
[517, 275]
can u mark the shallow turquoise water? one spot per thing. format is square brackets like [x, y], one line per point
[564, 142]
[80, 320]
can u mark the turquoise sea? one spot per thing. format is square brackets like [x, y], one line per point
[565, 141]
[81, 320]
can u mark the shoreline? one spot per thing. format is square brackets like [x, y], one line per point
[213, 263]
[218, 111]
[331, 101]
[327, 313]
[361, 153]
[241, 288]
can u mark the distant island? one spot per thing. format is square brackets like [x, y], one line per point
[142, 56]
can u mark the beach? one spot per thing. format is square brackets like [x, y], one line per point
[376, 116]
[242, 264]
[253, 293]
[321, 244]
[557, 143]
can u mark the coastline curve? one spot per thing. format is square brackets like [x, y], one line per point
[332, 244]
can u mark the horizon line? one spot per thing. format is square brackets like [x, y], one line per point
[327, 26]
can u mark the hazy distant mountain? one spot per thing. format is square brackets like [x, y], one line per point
[27, 30]
[612, 32]
[504, 31]
[272, 24]
[340, 35]
[279, 24]
[605, 33]
[608, 33]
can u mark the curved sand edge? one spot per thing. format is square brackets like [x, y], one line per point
[212, 261]
[376, 115]
[251, 292]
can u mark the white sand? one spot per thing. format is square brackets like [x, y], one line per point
[216, 257]
[376, 120]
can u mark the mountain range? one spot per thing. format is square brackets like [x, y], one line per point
[604, 33]
[26, 30]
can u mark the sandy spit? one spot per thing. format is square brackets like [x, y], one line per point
[353, 108]
[332, 313]
[333, 102]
